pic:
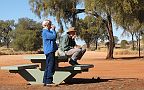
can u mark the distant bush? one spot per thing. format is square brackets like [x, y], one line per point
[92, 48]
[124, 44]
[125, 52]
[27, 40]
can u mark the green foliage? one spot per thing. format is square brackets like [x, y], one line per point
[27, 35]
[116, 39]
[142, 39]
[130, 12]
[123, 44]
[55, 8]
[59, 34]
[28, 24]
[64, 11]
[5, 29]
[26, 40]
[85, 29]
[91, 29]
[124, 12]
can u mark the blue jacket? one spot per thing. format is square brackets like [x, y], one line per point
[49, 41]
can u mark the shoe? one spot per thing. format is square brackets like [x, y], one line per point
[77, 63]
[44, 84]
[50, 84]
[72, 62]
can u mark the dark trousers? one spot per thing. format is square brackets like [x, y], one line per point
[49, 69]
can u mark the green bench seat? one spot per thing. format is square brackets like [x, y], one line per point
[40, 58]
[37, 58]
[76, 67]
[19, 67]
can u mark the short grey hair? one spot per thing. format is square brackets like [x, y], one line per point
[46, 22]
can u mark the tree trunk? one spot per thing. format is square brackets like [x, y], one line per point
[137, 39]
[96, 43]
[74, 14]
[7, 44]
[88, 45]
[110, 32]
[74, 20]
[111, 38]
[133, 47]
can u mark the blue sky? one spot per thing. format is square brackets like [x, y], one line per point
[15, 9]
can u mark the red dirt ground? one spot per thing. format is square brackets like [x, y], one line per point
[118, 74]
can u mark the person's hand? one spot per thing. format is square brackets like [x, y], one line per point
[73, 37]
[53, 27]
[78, 46]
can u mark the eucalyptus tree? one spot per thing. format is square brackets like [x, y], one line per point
[63, 10]
[123, 44]
[90, 31]
[103, 9]
[119, 11]
[27, 35]
[130, 18]
[132, 28]
[5, 29]
[85, 29]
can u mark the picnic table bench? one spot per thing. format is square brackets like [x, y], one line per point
[41, 59]
[33, 73]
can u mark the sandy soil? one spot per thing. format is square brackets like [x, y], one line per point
[122, 73]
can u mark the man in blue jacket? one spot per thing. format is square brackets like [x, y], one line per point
[49, 47]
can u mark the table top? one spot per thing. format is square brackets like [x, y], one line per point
[40, 58]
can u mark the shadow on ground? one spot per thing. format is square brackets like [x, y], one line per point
[129, 58]
[93, 80]
[122, 58]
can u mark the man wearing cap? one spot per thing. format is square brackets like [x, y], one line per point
[49, 47]
[68, 45]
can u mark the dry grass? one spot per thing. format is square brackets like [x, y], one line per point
[10, 51]
[126, 52]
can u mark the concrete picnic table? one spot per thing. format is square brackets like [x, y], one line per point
[33, 73]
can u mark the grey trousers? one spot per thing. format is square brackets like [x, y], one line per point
[75, 53]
